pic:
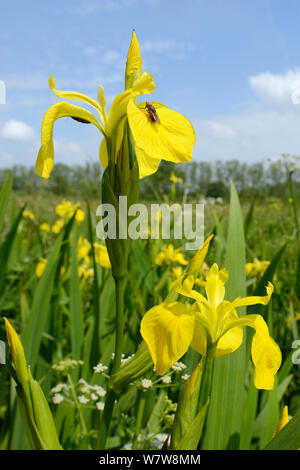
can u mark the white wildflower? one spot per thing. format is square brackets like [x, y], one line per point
[185, 376]
[178, 366]
[83, 400]
[146, 383]
[166, 379]
[99, 390]
[100, 405]
[99, 368]
[57, 398]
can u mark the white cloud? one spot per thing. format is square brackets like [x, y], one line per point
[276, 87]
[219, 129]
[17, 130]
[251, 137]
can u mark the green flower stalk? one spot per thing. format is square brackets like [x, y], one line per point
[35, 411]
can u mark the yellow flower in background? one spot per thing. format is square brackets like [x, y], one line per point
[56, 228]
[174, 179]
[83, 250]
[45, 227]
[289, 320]
[79, 217]
[158, 132]
[170, 328]
[66, 209]
[40, 268]
[85, 272]
[257, 268]
[101, 255]
[28, 215]
[169, 255]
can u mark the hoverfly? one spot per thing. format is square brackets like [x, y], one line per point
[152, 113]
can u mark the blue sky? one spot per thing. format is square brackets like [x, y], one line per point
[230, 66]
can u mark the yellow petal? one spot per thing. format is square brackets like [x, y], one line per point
[255, 299]
[17, 352]
[147, 164]
[196, 262]
[233, 338]
[265, 353]
[214, 286]
[168, 331]
[45, 159]
[134, 59]
[199, 341]
[229, 342]
[284, 419]
[73, 95]
[101, 255]
[118, 110]
[172, 140]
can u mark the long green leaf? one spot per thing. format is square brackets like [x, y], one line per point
[76, 314]
[289, 437]
[224, 420]
[4, 197]
[6, 248]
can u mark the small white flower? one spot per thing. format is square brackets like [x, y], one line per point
[99, 390]
[185, 376]
[178, 366]
[57, 398]
[85, 388]
[146, 383]
[99, 368]
[94, 397]
[58, 388]
[100, 405]
[166, 379]
[82, 382]
[128, 446]
[83, 400]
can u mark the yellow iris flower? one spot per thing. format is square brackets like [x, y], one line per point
[29, 215]
[170, 328]
[40, 268]
[257, 267]
[44, 227]
[170, 137]
[169, 255]
[174, 179]
[66, 209]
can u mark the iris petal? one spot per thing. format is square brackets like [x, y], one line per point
[168, 331]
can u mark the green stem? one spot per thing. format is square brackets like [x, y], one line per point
[139, 418]
[78, 408]
[207, 375]
[111, 396]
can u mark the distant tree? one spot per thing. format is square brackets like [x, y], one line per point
[217, 189]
